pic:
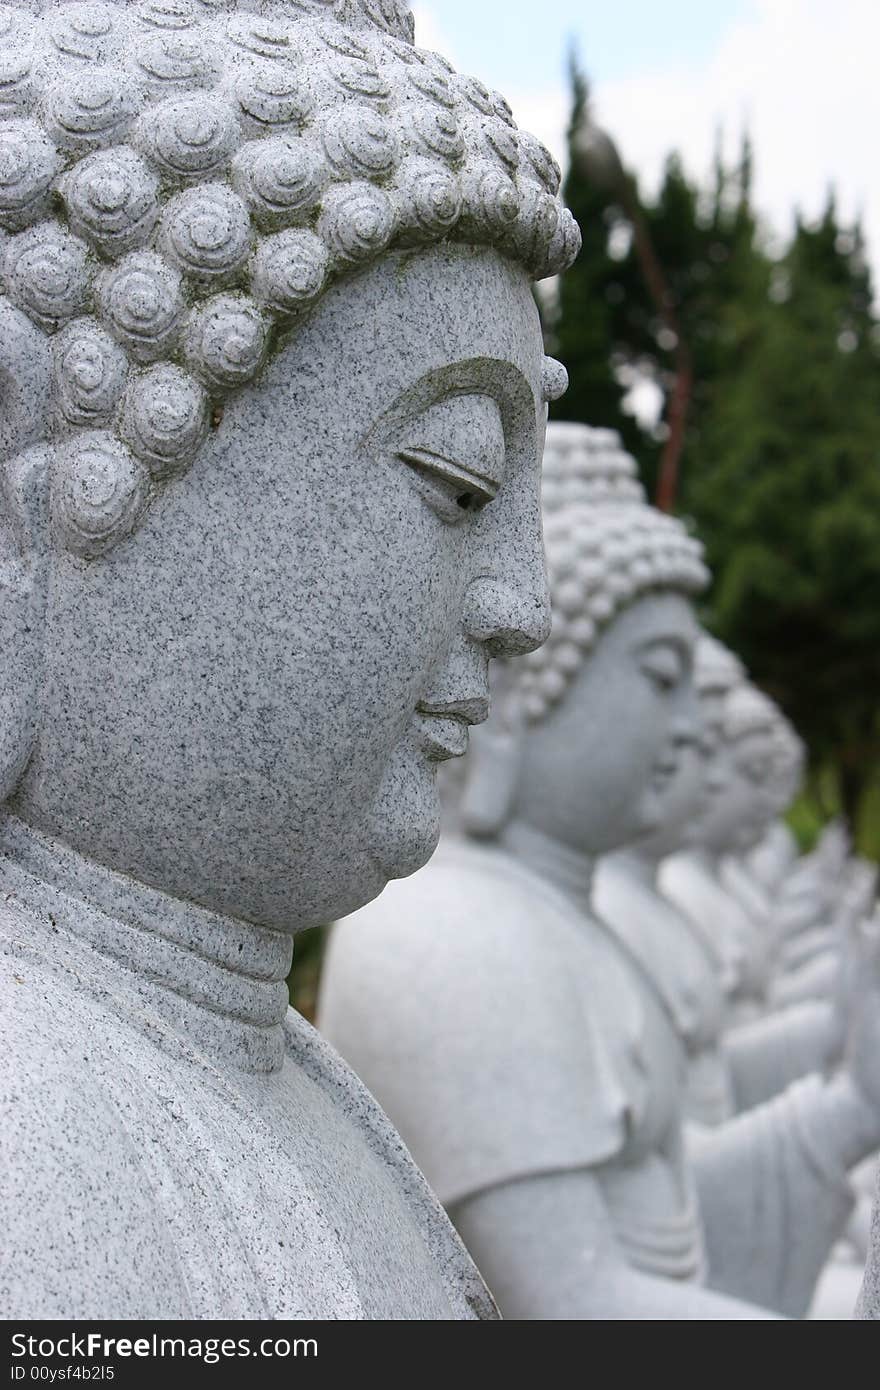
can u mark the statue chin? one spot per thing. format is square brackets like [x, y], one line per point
[404, 827]
[402, 833]
[648, 820]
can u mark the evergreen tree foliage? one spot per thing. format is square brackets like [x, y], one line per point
[785, 490]
[780, 472]
[583, 331]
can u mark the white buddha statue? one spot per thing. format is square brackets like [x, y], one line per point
[772, 796]
[777, 852]
[778, 944]
[806, 900]
[729, 1069]
[697, 879]
[532, 1064]
[272, 402]
[685, 967]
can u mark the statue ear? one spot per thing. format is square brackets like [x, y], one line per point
[24, 471]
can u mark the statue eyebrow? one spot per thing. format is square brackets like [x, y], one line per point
[502, 381]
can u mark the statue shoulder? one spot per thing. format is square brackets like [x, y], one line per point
[71, 1248]
[467, 1294]
[469, 903]
[490, 1020]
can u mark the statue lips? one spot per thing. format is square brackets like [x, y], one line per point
[444, 728]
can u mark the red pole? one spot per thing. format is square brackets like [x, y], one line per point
[680, 396]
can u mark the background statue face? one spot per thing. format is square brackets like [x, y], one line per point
[692, 790]
[597, 769]
[231, 700]
[739, 816]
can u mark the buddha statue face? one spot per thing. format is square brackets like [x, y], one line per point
[246, 701]
[272, 453]
[606, 711]
[747, 763]
[598, 768]
[692, 790]
[703, 774]
[732, 825]
[702, 787]
[771, 766]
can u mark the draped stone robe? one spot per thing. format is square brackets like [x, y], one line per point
[177, 1142]
[689, 880]
[509, 1034]
[729, 1070]
[678, 961]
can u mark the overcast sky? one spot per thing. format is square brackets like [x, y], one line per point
[667, 74]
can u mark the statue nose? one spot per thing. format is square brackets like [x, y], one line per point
[685, 732]
[505, 619]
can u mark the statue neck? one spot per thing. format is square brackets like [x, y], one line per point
[709, 860]
[218, 982]
[569, 870]
[639, 864]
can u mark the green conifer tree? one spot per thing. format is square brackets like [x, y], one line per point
[786, 493]
[583, 329]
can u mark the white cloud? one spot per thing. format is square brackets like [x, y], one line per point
[801, 75]
[430, 33]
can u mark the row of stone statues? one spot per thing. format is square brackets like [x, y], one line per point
[272, 406]
[629, 1036]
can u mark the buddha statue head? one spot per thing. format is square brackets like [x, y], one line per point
[717, 671]
[594, 724]
[701, 776]
[272, 403]
[759, 760]
[789, 765]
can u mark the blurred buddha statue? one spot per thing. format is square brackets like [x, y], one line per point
[530, 1059]
[683, 964]
[776, 944]
[272, 402]
[772, 796]
[734, 924]
[775, 855]
[821, 894]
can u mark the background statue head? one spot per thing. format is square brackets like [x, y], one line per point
[759, 757]
[596, 720]
[754, 760]
[717, 671]
[273, 395]
[789, 766]
[701, 775]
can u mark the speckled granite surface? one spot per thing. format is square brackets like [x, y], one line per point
[273, 395]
